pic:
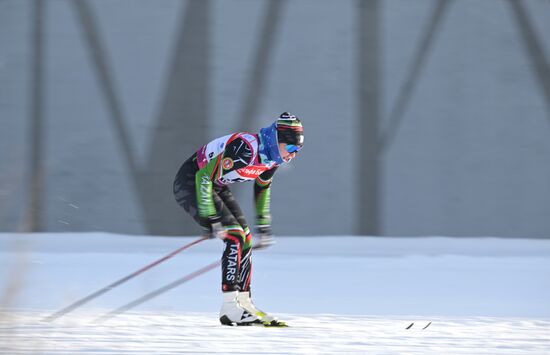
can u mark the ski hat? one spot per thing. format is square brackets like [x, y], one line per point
[286, 129]
[289, 129]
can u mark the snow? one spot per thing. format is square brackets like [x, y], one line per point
[339, 294]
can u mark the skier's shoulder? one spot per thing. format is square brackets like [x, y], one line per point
[221, 143]
[242, 146]
[246, 137]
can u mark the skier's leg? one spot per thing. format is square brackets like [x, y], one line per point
[232, 219]
[185, 194]
[243, 296]
[232, 261]
[245, 270]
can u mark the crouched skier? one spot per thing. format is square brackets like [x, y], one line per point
[201, 188]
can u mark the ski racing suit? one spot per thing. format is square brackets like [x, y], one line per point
[201, 188]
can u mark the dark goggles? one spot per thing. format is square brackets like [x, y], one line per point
[292, 148]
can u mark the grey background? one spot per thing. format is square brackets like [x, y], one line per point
[422, 117]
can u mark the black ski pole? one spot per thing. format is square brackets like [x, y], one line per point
[157, 292]
[105, 289]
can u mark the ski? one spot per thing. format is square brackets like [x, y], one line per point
[257, 323]
[275, 324]
[270, 323]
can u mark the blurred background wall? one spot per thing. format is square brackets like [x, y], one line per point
[421, 117]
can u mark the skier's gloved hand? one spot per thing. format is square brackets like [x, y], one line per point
[264, 236]
[216, 230]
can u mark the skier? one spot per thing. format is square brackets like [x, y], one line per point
[201, 188]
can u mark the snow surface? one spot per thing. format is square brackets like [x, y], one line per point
[339, 294]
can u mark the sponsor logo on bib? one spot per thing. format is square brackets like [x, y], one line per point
[251, 172]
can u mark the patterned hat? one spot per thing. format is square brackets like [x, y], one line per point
[289, 129]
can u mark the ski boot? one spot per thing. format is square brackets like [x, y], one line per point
[267, 320]
[232, 313]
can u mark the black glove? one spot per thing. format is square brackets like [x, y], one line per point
[264, 236]
[215, 229]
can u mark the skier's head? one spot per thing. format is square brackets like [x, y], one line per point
[290, 135]
[283, 139]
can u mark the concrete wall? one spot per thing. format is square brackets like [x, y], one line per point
[422, 117]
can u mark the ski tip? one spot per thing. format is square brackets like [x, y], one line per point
[426, 326]
[275, 323]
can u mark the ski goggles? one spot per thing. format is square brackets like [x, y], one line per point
[292, 148]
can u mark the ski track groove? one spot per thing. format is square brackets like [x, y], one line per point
[22, 332]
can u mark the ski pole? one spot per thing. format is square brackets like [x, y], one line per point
[161, 290]
[157, 292]
[105, 289]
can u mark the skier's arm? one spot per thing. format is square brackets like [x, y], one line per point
[203, 186]
[262, 197]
